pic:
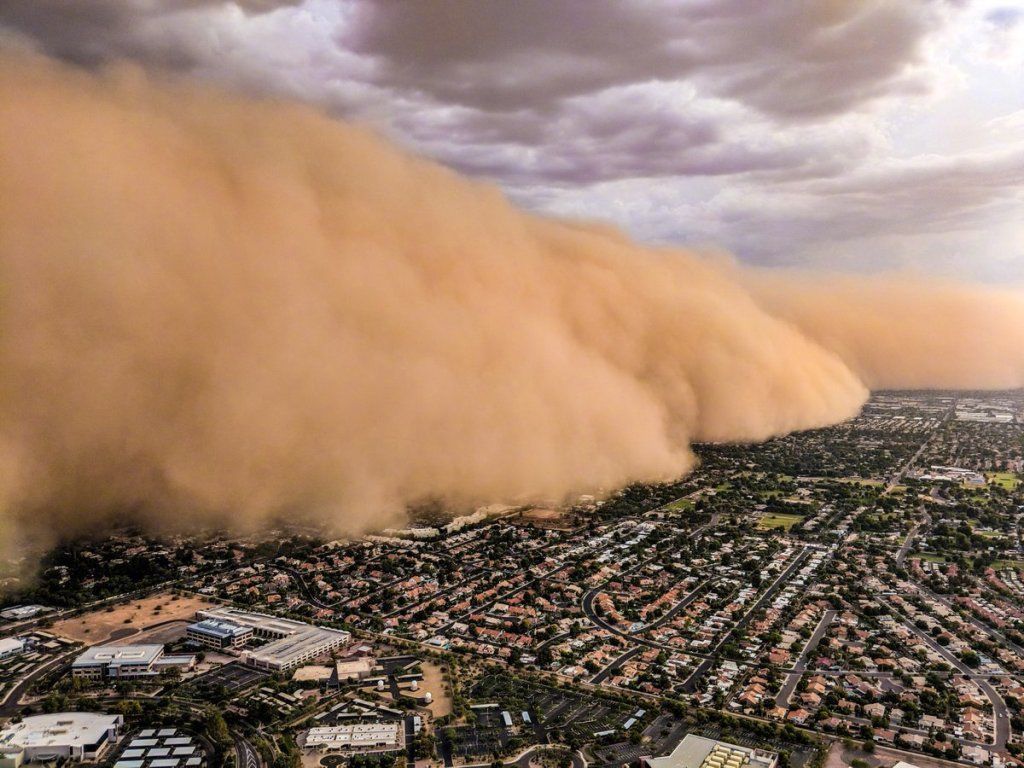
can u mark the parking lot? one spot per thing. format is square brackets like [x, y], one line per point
[569, 712]
[233, 677]
[478, 742]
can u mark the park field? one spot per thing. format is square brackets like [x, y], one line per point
[776, 520]
[1007, 480]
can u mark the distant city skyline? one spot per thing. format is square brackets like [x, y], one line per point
[858, 135]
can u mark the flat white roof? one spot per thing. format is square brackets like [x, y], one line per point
[60, 729]
[700, 752]
[118, 654]
[8, 644]
[354, 735]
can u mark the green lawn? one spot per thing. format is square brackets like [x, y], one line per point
[775, 520]
[990, 534]
[1007, 480]
[680, 505]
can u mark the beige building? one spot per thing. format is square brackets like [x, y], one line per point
[699, 752]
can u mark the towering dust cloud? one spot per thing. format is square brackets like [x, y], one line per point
[222, 310]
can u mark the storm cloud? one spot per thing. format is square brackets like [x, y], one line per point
[224, 310]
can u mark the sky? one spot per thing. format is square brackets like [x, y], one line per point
[851, 135]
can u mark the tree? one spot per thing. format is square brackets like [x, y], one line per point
[217, 728]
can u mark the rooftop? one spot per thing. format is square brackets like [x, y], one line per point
[59, 729]
[699, 752]
[118, 654]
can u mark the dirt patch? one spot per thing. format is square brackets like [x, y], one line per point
[541, 514]
[543, 518]
[433, 682]
[123, 622]
[840, 756]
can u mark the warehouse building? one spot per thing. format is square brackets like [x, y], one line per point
[125, 662]
[293, 643]
[74, 736]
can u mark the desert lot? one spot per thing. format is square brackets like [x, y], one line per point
[433, 681]
[125, 620]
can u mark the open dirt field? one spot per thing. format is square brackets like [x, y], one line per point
[125, 621]
[541, 514]
[541, 517]
[433, 681]
[841, 757]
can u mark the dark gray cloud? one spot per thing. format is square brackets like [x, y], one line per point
[793, 59]
[616, 135]
[798, 59]
[749, 123]
[97, 31]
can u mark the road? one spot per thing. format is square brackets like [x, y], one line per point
[897, 478]
[782, 700]
[246, 755]
[690, 684]
[587, 602]
[410, 741]
[9, 706]
[924, 522]
[614, 664]
[994, 633]
[1000, 711]
[675, 609]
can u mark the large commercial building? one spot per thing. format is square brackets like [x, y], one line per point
[64, 735]
[357, 737]
[218, 634]
[126, 662]
[11, 646]
[22, 612]
[293, 643]
[699, 752]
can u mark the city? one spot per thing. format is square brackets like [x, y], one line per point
[851, 593]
